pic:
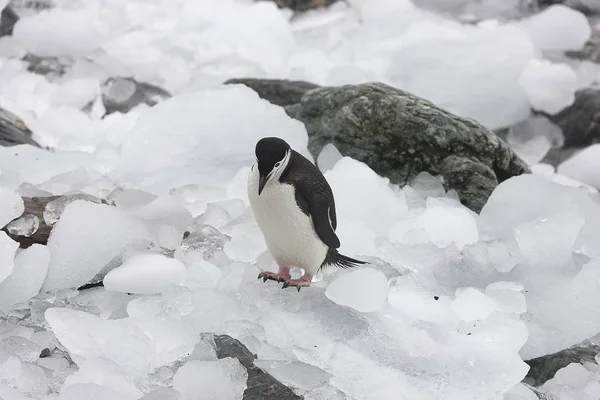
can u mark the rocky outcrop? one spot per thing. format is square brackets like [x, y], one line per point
[302, 5]
[399, 135]
[584, 6]
[542, 369]
[123, 94]
[280, 92]
[260, 385]
[40, 215]
[8, 19]
[580, 124]
[13, 130]
[591, 50]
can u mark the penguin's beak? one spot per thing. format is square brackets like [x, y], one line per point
[262, 181]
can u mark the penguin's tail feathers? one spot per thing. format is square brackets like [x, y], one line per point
[334, 258]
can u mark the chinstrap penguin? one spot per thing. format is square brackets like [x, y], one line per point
[294, 208]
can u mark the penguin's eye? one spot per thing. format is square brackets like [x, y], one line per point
[277, 164]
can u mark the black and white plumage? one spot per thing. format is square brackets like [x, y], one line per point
[295, 209]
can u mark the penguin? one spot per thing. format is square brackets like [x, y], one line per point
[294, 208]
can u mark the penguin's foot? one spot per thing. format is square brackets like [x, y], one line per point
[303, 281]
[280, 276]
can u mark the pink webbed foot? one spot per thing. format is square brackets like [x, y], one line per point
[281, 276]
[303, 281]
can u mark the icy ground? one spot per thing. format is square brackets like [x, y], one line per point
[451, 302]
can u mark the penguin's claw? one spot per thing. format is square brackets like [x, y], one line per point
[279, 276]
[298, 283]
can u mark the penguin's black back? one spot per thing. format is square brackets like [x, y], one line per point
[313, 195]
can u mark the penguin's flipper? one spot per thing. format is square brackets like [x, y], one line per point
[319, 210]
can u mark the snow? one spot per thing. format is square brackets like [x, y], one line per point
[451, 302]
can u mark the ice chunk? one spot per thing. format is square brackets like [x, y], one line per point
[202, 131]
[364, 289]
[130, 199]
[438, 224]
[34, 165]
[144, 307]
[30, 269]
[571, 382]
[11, 206]
[18, 346]
[525, 198]
[470, 305]
[295, 374]
[427, 185]
[533, 138]
[548, 243]
[28, 379]
[145, 274]
[60, 32]
[583, 166]
[413, 300]
[328, 156]
[224, 379]
[558, 28]
[137, 345]
[467, 52]
[246, 243]
[164, 209]
[8, 248]
[162, 394]
[9, 393]
[563, 315]
[520, 392]
[550, 87]
[205, 240]
[119, 90]
[104, 372]
[91, 391]
[76, 93]
[55, 208]
[348, 174]
[493, 254]
[26, 225]
[86, 238]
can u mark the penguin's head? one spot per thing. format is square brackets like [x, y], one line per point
[272, 157]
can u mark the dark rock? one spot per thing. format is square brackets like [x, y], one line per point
[302, 5]
[48, 66]
[557, 156]
[591, 49]
[278, 92]
[38, 207]
[544, 368]
[8, 19]
[260, 385]
[13, 131]
[123, 94]
[580, 124]
[575, 4]
[399, 135]
[34, 206]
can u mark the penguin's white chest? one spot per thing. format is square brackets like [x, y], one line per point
[289, 233]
